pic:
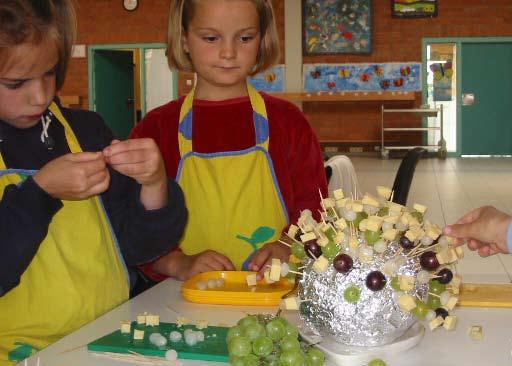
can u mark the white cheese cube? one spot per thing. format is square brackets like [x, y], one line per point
[275, 270]
[409, 234]
[373, 225]
[459, 251]
[328, 203]
[126, 327]
[340, 203]
[340, 236]
[357, 206]
[291, 303]
[307, 237]
[292, 230]
[452, 301]
[450, 322]
[138, 335]
[341, 224]
[152, 320]
[266, 275]
[338, 194]
[362, 224]
[141, 319]
[406, 302]
[420, 208]
[407, 282]
[384, 192]
[436, 322]
[251, 279]
[390, 234]
[320, 265]
[370, 200]
[181, 320]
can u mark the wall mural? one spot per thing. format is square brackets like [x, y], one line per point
[336, 26]
[270, 81]
[362, 77]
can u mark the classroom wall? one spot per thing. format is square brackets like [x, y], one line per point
[354, 123]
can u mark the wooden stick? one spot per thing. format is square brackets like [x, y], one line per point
[285, 243]
[295, 240]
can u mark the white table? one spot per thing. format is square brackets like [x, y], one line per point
[440, 348]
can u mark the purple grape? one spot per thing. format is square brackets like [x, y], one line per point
[313, 250]
[442, 312]
[445, 276]
[297, 235]
[428, 261]
[375, 281]
[406, 243]
[343, 263]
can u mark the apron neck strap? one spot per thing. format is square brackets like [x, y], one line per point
[71, 139]
[259, 113]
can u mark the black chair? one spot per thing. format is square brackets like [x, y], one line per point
[405, 173]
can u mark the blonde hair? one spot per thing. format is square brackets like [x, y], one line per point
[181, 13]
[33, 21]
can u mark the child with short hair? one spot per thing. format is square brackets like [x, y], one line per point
[76, 206]
[248, 162]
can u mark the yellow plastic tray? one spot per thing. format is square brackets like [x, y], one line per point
[235, 290]
[486, 295]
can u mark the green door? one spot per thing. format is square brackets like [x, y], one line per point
[486, 125]
[114, 89]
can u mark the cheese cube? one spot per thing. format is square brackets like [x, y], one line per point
[342, 202]
[406, 302]
[328, 202]
[420, 208]
[266, 275]
[275, 270]
[391, 219]
[338, 194]
[370, 200]
[390, 234]
[292, 230]
[357, 206]
[251, 279]
[475, 332]
[322, 241]
[291, 303]
[451, 303]
[407, 282]
[307, 228]
[340, 236]
[126, 327]
[373, 225]
[409, 234]
[138, 335]
[433, 232]
[141, 319]
[446, 256]
[384, 192]
[395, 207]
[202, 324]
[320, 265]
[459, 251]
[341, 224]
[450, 322]
[436, 322]
[362, 224]
[181, 320]
[307, 237]
[456, 281]
[152, 320]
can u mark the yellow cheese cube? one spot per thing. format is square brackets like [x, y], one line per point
[450, 322]
[409, 234]
[420, 208]
[152, 320]
[456, 281]
[307, 237]
[390, 234]
[275, 270]
[451, 303]
[370, 200]
[251, 279]
[291, 303]
[353, 243]
[292, 230]
[202, 324]
[181, 320]
[340, 236]
[328, 202]
[266, 275]
[391, 219]
[435, 323]
[459, 251]
[340, 203]
[362, 224]
[406, 302]
[320, 265]
[322, 241]
[141, 319]
[126, 327]
[138, 335]
[433, 232]
[446, 256]
[341, 224]
[476, 332]
[407, 282]
[384, 192]
[338, 194]
[395, 207]
[357, 206]
[373, 225]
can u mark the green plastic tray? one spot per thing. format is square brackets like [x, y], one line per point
[213, 348]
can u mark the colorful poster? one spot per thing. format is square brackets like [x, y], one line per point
[414, 8]
[365, 77]
[270, 81]
[337, 26]
[443, 73]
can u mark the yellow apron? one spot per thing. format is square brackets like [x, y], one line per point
[77, 274]
[233, 196]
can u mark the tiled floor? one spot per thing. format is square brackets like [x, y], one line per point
[450, 188]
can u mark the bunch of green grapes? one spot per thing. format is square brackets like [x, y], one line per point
[262, 340]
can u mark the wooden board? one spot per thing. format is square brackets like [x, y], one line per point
[214, 347]
[486, 295]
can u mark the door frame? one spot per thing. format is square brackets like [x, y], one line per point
[123, 46]
[458, 41]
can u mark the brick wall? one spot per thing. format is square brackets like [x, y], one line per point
[104, 21]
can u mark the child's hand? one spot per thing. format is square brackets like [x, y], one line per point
[181, 266]
[74, 176]
[485, 230]
[141, 160]
[263, 257]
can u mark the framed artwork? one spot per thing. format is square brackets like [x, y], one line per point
[413, 8]
[270, 81]
[337, 27]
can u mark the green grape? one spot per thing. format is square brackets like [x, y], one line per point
[253, 331]
[251, 360]
[421, 310]
[235, 331]
[298, 250]
[249, 319]
[384, 211]
[395, 283]
[236, 361]
[262, 346]
[289, 343]
[418, 216]
[436, 287]
[293, 267]
[377, 362]
[330, 233]
[275, 330]
[371, 237]
[282, 320]
[433, 302]
[291, 330]
[292, 358]
[315, 357]
[331, 212]
[360, 216]
[239, 346]
[330, 251]
[352, 294]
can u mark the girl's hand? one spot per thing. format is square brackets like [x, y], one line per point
[263, 257]
[141, 160]
[74, 176]
[181, 266]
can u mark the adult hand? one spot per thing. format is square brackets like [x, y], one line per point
[263, 257]
[485, 230]
[74, 176]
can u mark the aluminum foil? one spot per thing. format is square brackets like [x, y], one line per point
[376, 319]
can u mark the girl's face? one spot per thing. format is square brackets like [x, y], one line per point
[27, 83]
[223, 40]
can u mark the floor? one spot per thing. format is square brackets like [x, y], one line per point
[450, 188]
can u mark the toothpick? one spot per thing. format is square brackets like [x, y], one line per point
[285, 243]
[314, 256]
[295, 240]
